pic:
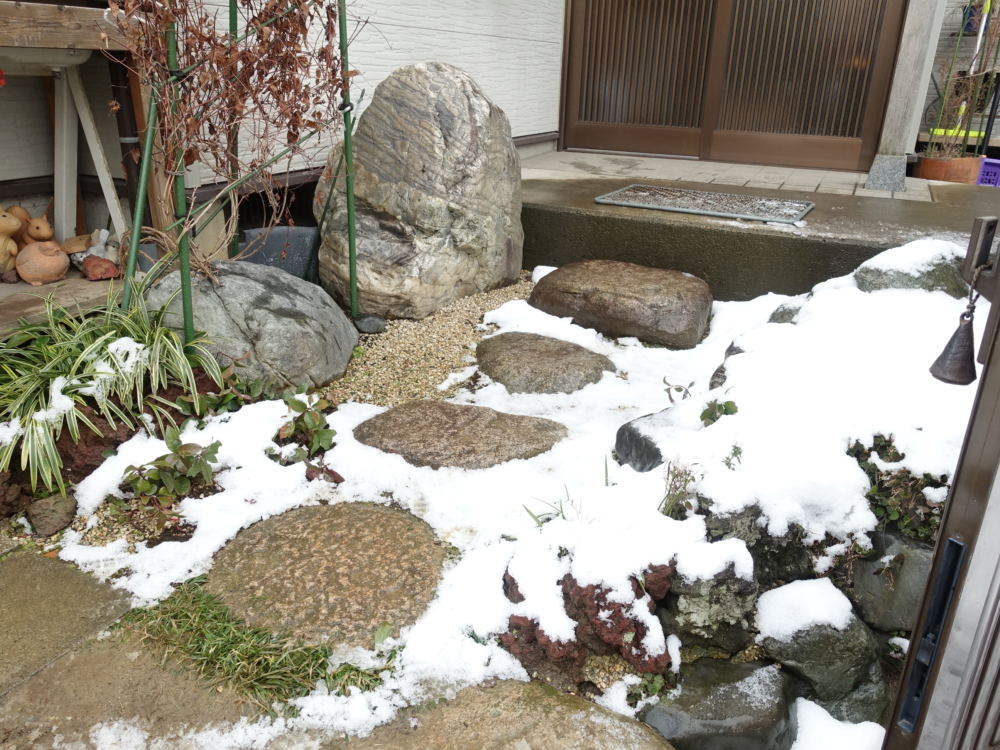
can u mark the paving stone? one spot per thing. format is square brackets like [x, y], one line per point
[509, 716]
[529, 363]
[107, 681]
[48, 607]
[330, 572]
[436, 434]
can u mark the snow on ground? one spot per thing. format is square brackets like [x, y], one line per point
[820, 731]
[852, 365]
[784, 611]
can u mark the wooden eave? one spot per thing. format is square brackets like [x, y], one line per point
[39, 25]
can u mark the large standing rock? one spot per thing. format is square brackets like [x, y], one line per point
[624, 299]
[722, 706]
[438, 194]
[291, 329]
[713, 612]
[889, 588]
[436, 434]
[529, 363]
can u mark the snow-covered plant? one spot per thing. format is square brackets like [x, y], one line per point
[677, 491]
[164, 480]
[715, 410]
[308, 428]
[58, 373]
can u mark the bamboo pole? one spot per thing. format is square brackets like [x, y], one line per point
[139, 209]
[234, 137]
[346, 108]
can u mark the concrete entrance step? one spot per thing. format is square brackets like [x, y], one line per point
[739, 259]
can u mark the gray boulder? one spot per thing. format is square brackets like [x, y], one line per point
[52, 514]
[869, 701]
[658, 306]
[725, 706]
[713, 612]
[436, 434]
[834, 662]
[529, 363]
[889, 588]
[438, 194]
[635, 447]
[941, 275]
[281, 329]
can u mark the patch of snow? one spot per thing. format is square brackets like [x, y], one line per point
[825, 561]
[59, 403]
[540, 272]
[674, 650]
[457, 377]
[903, 644]
[820, 731]
[784, 611]
[615, 697]
[10, 431]
[936, 495]
[915, 257]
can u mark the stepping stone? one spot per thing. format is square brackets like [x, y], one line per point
[436, 434]
[48, 608]
[512, 716]
[722, 705]
[107, 681]
[330, 572]
[656, 305]
[529, 363]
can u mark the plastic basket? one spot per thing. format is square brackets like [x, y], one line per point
[989, 173]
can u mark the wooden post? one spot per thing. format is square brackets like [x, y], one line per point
[65, 155]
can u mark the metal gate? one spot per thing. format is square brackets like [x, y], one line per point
[792, 82]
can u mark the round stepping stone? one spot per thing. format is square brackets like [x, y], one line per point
[436, 434]
[330, 572]
[529, 363]
[656, 305]
[510, 715]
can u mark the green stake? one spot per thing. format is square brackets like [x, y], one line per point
[234, 136]
[140, 198]
[348, 159]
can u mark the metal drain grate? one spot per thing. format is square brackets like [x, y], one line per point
[728, 205]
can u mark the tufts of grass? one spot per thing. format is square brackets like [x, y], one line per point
[263, 666]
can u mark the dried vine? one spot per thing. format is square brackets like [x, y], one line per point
[276, 82]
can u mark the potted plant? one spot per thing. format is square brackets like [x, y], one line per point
[955, 150]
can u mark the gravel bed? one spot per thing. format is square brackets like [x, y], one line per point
[412, 357]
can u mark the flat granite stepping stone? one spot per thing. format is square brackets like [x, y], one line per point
[47, 608]
[509, 716]
[436, 434]
[330, 572]
[107, 681]
[529, 363]
[656, 305]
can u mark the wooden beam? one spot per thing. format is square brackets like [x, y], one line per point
[96, 150]
[56, 27]
[65, 159]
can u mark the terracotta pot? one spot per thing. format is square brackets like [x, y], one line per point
[963, 169]
[42, 263]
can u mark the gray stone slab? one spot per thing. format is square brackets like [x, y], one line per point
[106, 681]
[48, 608]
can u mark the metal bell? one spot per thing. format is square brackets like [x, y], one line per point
[956, 364]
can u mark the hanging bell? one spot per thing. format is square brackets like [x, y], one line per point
[956, 364]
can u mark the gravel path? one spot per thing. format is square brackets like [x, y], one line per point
[412, 357]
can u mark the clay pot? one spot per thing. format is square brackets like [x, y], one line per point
[964, 169]
[42, 263]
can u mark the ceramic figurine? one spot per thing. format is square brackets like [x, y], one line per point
[21, 237]
[9, 226]
[42, 263]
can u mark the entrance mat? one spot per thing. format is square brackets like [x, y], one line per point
[728, 205]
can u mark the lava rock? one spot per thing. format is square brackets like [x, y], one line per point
[13, 498]
[529, 363]
[52, 514]
[436, 434]
[438, 193]
[724, 706]
[889, 588]
[9, 277]
[99, 269]
[658, 306]
[834, 662]
[293, 332]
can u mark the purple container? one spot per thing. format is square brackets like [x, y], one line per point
[989, 173]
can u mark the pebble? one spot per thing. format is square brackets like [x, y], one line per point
[412, 357]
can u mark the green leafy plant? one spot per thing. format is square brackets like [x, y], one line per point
[649, 686]
[734, 457]
[187, 468]
[715, 410]
[263, 666]
[895, 495]
[232, 396]
[308, 427]
[108, 360]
